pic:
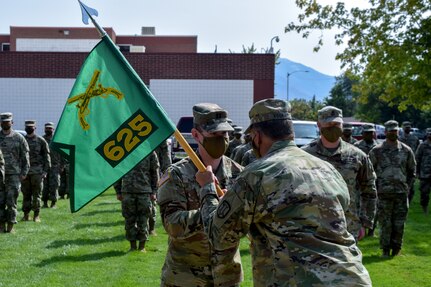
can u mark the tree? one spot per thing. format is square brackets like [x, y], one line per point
[388, 46]
[303, 110]
[342, 95]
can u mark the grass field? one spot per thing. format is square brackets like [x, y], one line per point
[88, 248]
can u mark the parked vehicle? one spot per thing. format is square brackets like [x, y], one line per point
[357, 129]
[184, 125]
[305, 132]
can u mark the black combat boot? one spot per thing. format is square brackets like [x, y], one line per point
[386, 253]
[2, 227]
[45, 204]
[53, 204]
[151, 224]
[132, 245]
[396, 251]
[26, 217]
[142, 246]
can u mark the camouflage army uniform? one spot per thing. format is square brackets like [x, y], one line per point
[350, 140]
[63, 189]
[240, 151]
[423, 161]
[248, 158]
[395, 167]
[364, 146]
[292, 206]
[52, 181]
[413, 142]
[347, 134]
[357, 171]
[15, 151]
[190, 260]
[137, 187]
[40, 163]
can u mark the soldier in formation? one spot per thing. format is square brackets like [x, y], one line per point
[395, 166]
[239, 151]
[52, 180]
[16, 155]
[413, 142]
[353, 164]
[291, 204]
[423, 164]
[40, 163]
[138, 190]
[347, 134]
[190, 259]
[236, 141]
[367, 142]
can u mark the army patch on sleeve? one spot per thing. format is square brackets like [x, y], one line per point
[223, 209]
[166, 176]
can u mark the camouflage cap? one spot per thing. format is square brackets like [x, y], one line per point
[330, 114]
[368, 128]
[49, 125]
[428, 130]
[267, 110]
[6, 117]
[211, 118]
[391, 126]
[407, 124]
[347, 126]
[30, 123]
[237, 130]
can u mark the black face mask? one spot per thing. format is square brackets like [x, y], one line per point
[48, 132]
[392, 137]
[255, 148]
[29, 130]
[347, 134]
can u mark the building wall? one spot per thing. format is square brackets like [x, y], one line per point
[56, 45]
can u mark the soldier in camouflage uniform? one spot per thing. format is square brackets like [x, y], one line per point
[292, 206]
[239, 151]
[63, 189]
[395, 166]
[52, 180]
[190, 260]
[352, 164]
[248, 158]
[15, 152]
[347, 134]
[236, 141]
[40, 163]
[2, 177]
[138, 190]
[367, 142]
[423, 170]
[413, 142]
[165, 161]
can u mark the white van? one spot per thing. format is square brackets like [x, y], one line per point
[305, 132]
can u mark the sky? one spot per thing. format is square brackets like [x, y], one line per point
[225, 24]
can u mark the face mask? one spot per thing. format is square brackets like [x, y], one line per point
[48, 132]
[255, 148]
[392, 137]
[29, 130]
[368, 138]
[5, 127]
[407, 131]
[429, 137]
[347, 134]
[332, 134]
[215, 146]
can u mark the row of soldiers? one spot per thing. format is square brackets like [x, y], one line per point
[27, 165]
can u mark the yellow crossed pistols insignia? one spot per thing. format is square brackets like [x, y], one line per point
[93, 90]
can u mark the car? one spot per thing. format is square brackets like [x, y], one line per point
[357, 129]
[184, 126]
[305, 132]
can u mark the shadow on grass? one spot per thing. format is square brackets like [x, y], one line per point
[244, 252]
[374, 259]
[108, 203]
[80, 258]
[61, 243]
[95, 212]
[103, 224]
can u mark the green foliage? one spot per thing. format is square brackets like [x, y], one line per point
[387, 44]
[88, 248]
[342, 96]
[305, 110]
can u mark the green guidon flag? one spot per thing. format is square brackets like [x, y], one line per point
[110, 123]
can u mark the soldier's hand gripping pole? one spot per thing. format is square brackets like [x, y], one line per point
[193, 156]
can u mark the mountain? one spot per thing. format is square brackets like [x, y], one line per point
[303, 85]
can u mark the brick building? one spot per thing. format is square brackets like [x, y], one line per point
[38, 66]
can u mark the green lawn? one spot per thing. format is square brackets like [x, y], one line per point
[89, 249]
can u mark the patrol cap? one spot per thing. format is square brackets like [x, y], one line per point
[330, 114]
[428, 130]
[347, 126]
[237, 130]
[6, 117]
[267, 110]
[368, 128]
[211, 118]
[407, 124]
[391, 126]
[49, 125]
[30, 123]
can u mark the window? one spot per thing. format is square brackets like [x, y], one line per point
[5, 46]
[124, 48]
